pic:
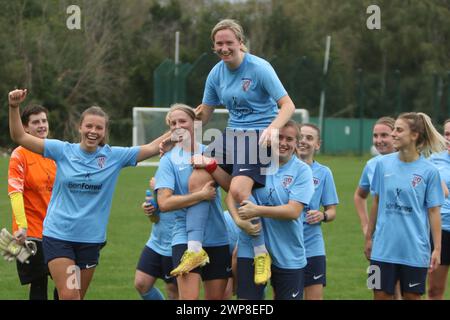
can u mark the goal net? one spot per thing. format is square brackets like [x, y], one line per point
[149, 123]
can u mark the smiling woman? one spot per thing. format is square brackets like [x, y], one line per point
[74, 230]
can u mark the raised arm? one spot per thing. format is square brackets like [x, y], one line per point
[152, 148]
[16, 130]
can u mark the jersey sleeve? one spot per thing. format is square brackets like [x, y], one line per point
[434, 195]
[53, 149]
[165, 175]
[375, 187]
[303, 187]
[364, 182]
[271, 82]
[127, 156]
[329, 194]
[210, 96]
[16, 172]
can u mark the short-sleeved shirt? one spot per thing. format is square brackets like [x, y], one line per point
[406, 191]
[84, 185]
[442, 162]
[160, 239]
[324, 195]
[250, 92]
[283, 238]
[232, 229]
[173, 173]
[32, 175]
[367, 175]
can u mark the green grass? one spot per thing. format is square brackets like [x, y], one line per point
[129, 229]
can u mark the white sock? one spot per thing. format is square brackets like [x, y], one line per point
[195, 246]
[260, 249]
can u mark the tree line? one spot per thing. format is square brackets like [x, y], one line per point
[110, 61]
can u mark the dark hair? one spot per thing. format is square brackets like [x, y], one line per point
[97, 111]
[31, 110]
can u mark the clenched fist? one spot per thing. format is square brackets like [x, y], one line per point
[16, 97]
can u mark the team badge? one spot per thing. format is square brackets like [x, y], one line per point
[246, 84]
[416, 180]
[287, 180]
[316, 182]
[101, 161]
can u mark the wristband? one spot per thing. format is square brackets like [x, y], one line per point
[325, 217]
[212, 166]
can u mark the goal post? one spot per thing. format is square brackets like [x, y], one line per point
[149, 123]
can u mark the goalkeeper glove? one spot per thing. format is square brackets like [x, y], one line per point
[13, 250]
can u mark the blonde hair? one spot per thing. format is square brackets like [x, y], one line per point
[235, 27]
[182, 107]
[387, 121]
[429, 140]
[97, 111]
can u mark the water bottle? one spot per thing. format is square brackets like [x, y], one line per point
[151, 200]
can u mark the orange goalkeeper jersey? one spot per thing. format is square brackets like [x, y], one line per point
[32, 175]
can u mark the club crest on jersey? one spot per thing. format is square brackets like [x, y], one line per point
[287, 180]
[246, 82]
[101, 161]
[316, 182]
[416, 180]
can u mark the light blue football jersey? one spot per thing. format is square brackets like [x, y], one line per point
[367, 175]
[324, 195]
[160, 239]
[284, 238]
[442, 162]
[406, 191]
[173, 173]
[232, 229]
[84, 185]
[250, 93]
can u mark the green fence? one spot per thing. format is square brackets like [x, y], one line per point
[346, 135]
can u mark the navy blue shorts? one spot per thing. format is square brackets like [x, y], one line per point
[85, 255]
[315, 271]
[246, 287]
[219, 266]
[36, 269]
[239, 154]
[445, 248]
[156, 265]
[288, 284]
[412, 279]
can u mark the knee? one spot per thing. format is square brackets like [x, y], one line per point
[141, 285]
[67, 294]
[172, 291]
[435, 293]
[238, 194]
